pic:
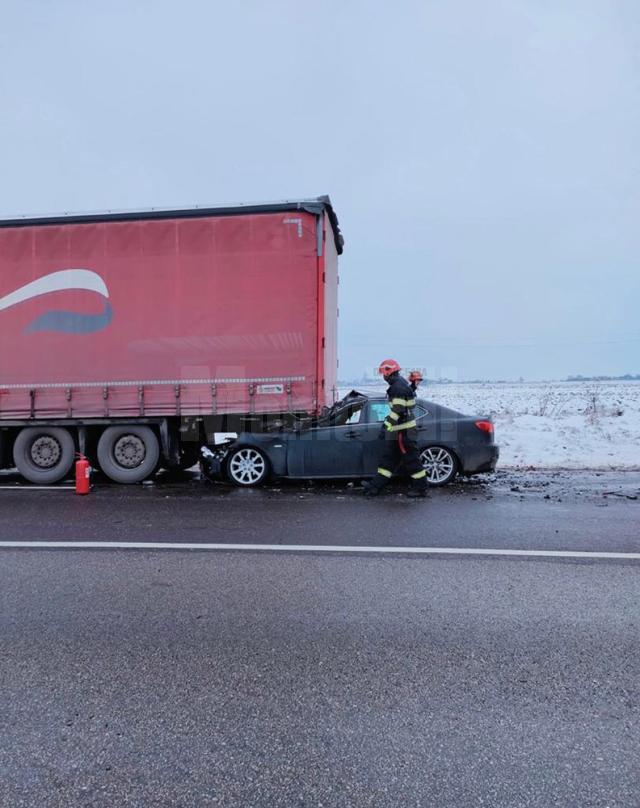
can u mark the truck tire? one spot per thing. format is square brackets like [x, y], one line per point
[128, 454]
[44, 454]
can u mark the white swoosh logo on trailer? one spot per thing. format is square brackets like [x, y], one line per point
[57, 282]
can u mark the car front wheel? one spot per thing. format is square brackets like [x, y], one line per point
[440, 464]
[247, 466]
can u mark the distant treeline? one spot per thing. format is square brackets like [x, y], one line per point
[368, 381]
[628, 377]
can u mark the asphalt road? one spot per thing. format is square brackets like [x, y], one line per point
[559, 510]
[194, 678]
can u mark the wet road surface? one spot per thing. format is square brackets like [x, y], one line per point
[240, 678]
[561, 510]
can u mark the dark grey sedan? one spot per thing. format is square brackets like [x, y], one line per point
[344, 443]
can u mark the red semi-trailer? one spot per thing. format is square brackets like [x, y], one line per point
[134, 336]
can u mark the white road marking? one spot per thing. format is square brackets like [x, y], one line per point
[312, 548]
[22, 487]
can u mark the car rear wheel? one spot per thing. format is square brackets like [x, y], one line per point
[128, 454]
[440, 464]
[44, 455]
[247, 466]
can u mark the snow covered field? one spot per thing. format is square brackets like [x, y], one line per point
[585, 425]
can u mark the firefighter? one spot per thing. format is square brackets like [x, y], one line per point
[400, 435]
[415, 377]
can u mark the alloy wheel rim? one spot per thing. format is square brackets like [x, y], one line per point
[247, 466]
[438, 463]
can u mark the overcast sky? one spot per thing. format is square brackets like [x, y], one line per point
[483, 156]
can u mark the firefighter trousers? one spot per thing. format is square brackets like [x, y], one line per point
[400, 454]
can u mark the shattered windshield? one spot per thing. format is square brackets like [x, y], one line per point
[347, 410]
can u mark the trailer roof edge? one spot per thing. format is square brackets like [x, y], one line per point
[313, 205]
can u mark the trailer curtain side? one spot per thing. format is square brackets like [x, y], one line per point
[168, 316]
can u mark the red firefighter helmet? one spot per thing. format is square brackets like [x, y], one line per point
[415, 376]
[388, 366]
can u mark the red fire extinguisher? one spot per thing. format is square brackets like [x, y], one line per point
[83, 475]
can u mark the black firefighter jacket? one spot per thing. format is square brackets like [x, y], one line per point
[401, 402]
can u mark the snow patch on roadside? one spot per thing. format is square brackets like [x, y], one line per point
[573, 425]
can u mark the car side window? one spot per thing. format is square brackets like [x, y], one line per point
[349, 415]
[354, 418]
[378, 410]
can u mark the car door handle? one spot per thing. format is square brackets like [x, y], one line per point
[351, 434]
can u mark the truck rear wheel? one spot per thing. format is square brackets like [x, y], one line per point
[44, 454]
[128, 454]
